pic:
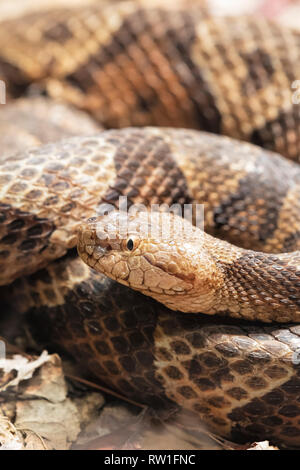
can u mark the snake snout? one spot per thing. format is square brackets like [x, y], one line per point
[92, 240]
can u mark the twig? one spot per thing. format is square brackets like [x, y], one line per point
[105, 390]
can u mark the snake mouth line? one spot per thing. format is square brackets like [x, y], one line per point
[184, 277]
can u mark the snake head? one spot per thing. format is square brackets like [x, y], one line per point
[159, 254]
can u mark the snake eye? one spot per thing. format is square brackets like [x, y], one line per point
[129, 244]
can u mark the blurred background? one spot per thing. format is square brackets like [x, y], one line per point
[285, 11]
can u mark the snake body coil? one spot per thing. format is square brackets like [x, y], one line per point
[129, 65]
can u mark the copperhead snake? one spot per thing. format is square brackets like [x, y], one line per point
[138, 66]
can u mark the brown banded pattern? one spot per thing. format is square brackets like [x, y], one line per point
[47, 191]
[140, 65]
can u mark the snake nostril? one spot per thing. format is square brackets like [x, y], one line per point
[88, 237]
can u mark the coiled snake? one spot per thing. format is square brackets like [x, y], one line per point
[133, 66]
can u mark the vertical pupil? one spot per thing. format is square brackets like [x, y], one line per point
[130, 244]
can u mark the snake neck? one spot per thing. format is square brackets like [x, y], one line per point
[230, 281]
[250, 285]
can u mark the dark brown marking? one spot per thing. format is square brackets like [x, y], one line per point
[59, 32]
[260, 71]
[175, 40]
[271, 137]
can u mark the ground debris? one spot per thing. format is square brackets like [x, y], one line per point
[122, 427]
[263, 445]
[36, 411]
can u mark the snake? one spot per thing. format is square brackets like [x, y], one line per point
[163, 85]
[189, 271]
[29, 122]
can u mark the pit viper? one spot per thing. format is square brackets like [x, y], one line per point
[129, 65]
